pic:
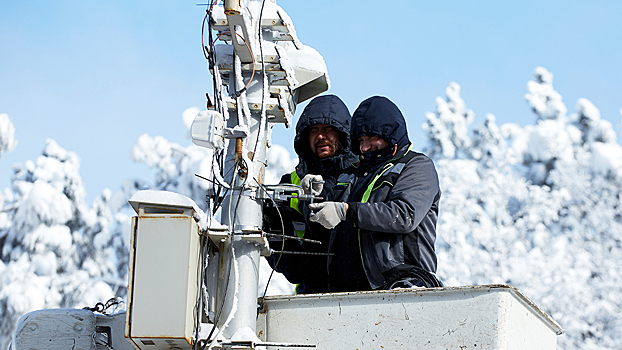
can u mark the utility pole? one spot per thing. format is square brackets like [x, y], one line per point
[261, 72]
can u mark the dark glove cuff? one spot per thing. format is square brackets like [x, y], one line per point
[351, 213]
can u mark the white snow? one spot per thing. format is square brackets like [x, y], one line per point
[588, 120]
[544, 100]
[7, 134]
[245, 334]
[607, 158]
[42, 204]
[163, 198]
[45, 238]
[448, 128]
[549, 140]
[279, 163]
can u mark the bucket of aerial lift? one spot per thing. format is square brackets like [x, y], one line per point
[473, 317]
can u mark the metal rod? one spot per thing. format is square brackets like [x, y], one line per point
[232, 7]
[291, 237]
[299, 253]
[286, 345]
[270, 344]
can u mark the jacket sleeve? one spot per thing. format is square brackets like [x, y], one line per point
[409, 200]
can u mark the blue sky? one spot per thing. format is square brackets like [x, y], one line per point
[94, 76]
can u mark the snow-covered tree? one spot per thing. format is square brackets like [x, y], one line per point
[539, 208]
[545, 102]
[447, 130]
[56, 251]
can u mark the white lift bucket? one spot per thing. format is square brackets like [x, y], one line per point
[478, 317]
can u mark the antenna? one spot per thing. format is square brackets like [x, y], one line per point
[261, 72]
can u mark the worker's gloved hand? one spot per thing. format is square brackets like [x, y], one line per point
[328, 214]
[312, 184]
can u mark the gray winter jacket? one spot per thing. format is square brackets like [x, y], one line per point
[394, 203]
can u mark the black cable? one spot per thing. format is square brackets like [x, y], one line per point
[237, 204]
[218, 157]
[101, 343]
[198, 306]
[282, 245]
[217, 199]
[222, 305]
[231, 261]
[220, 200]
[239, 92]
[207, 13]
[241, 161]
[261, 119]
[263, 80]
[210, 58]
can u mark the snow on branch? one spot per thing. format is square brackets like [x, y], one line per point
[447, 130]
[7, 134]
[542, 97]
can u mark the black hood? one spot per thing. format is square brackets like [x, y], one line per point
[378, 116]
[325, 109]
[330, 110]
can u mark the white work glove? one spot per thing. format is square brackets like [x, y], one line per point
[313, 188]
[328, 214]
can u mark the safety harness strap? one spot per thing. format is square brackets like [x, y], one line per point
[389, 173]
[299, 227]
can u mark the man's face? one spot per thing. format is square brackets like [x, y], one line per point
[373, 143]
[323, 140]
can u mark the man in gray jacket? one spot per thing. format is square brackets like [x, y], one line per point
[383, 236]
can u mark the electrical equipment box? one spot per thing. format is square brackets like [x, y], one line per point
[208, 130]
[164, 286]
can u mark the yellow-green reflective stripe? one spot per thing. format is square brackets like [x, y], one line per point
[388, 166]
[370, 187]
[295, 179]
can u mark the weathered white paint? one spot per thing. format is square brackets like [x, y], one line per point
[164, 276]
[55, 329]
[478, 317]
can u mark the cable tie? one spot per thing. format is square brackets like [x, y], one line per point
[239, 92]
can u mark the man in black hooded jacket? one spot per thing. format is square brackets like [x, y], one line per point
[385, 231]
[323, 146]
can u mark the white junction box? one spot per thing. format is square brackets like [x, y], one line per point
[164, 271]
[476, 317]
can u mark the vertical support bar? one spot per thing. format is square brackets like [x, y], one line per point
[242, 212]
[232, 7]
